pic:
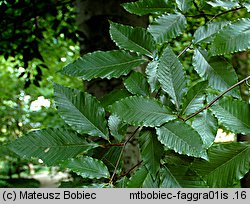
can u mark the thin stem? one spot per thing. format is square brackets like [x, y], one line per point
[126, 173]
[120, 156]
[225, 12]
[217, 98]
[184, 50]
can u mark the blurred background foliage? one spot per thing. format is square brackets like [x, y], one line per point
[37, 38]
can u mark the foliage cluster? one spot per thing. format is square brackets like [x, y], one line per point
[175, 116]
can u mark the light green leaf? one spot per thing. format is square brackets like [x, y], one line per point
[114, 96]
[228, 163]
[151, 71]
[184, 5]
[194, 98]
[143, 7]
[224, 3]
[219, 73]
[207, 32]
[232, 38]
[87, 167]
[137, 179]
[81, 111]
[50, 145]
[117, 128]
[138, 110]
[171, 76]
[103, 64]
[167, 27]
[151, 151]
[233, 114]
[247, 5]
[206, 125]
[137, 84]
[182, 138]
[132, 39]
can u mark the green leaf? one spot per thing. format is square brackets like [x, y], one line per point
[233, 114]
[132, 39]
[81, 111]
[232, 38]
[247, 5]
[143, 7]
[111, 157]
[151, 71]
[171, 76]
[151, 151]
[109, 64]
[228, 163]
[169, 180]
[194, 98]
[207, 32]
[87, 167]
[138, 110]
[224, 3]
[137, 179]
[114, 96]
[122, 183]
[137, 84]
[50, 145]
[184, 5]
[182, 138]
[179, 176]
[219, 73]
[206, 125]
[117, 128]
[151, 182]
[167, 27]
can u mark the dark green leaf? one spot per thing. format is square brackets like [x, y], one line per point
[137, 179]
[167, 27]
[81, 111]
[151, 151]
[111, 157]
[51, 145]
[143, 7]
[179, 176]
[228, 163]
[137, 84]
[171, 76]
[233, 114]
[219, 73]
[133, 39]
[206, 125]
[182, 138]
[109, 64]
[138, 110]
[87, 167]
[232, 38]
[114, 96]
[194, 98]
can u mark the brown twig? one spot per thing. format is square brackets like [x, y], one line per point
[120, 156]
[217, 98]
[128, 172]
